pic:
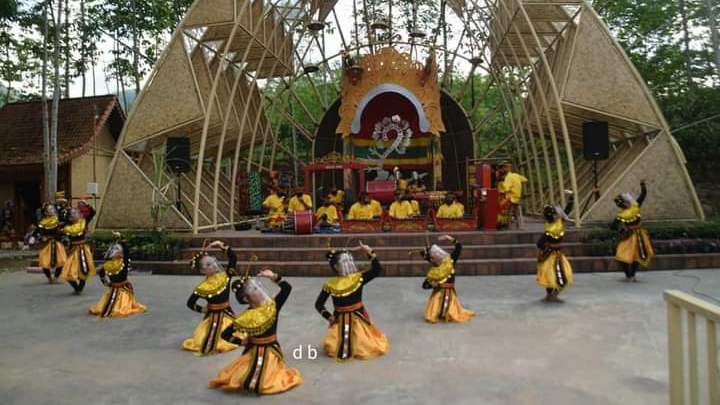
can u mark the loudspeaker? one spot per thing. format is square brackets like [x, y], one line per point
[177, 154]
[596, 141]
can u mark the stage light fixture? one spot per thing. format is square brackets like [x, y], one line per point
[476, 60]
[380, 25]
[311, 68]
[316, 26]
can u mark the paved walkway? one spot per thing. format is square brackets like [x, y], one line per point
[605, 345]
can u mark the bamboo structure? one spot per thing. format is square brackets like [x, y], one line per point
[554, 64]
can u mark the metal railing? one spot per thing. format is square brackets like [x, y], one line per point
[677, 302]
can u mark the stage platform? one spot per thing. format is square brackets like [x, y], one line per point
[484, 252]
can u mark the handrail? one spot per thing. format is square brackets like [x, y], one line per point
[678, 301]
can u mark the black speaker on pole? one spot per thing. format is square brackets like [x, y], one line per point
[596, 140]
[177, 154]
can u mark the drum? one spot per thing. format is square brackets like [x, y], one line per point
[299, 222]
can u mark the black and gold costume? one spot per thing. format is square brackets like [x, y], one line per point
[215, 289]
[352, 334]
[635, 247]
[261, 368]
[79, 265]
[554, 272]
[444, 304]
[119, 300]
[52, 255]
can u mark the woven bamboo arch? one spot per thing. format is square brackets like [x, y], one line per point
[555, 62]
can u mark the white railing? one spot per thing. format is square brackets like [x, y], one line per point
[680, 394]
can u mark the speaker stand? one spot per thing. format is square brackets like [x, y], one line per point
[596, 191]
[179, 205]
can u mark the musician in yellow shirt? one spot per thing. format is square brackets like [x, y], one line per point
[400, 208]
[336, 196]
[510, 187]
[326, 217]
[365, 209]
[300, 202]
[414, 204]
[275, 205]
[450, 208]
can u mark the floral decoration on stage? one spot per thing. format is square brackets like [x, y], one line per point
[381, 136]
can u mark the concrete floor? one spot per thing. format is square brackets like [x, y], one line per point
[605, 345]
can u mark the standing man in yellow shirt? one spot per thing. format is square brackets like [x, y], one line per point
[364, 209]
[300, 202]
[510, 186]
[400, 208]
[275, 205]
[450, 208]
[337, 197]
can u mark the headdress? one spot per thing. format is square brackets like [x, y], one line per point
[48, 206]
[431, 251]
[549, 212]
[238, 286]
[342, 259]
[195, 261]
[117, 244]
[624, 198]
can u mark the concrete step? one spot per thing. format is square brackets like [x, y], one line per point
[254, 239]
[501, 252]
[465, 267]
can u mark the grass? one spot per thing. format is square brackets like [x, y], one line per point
[12, 264]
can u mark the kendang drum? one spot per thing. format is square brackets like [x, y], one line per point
[299, 223]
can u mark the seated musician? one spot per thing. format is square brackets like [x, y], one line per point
[275, 205]
[414, 204]
[300, 202]
[400, 208]
[326, 216]
[450, 208]
[364, 209]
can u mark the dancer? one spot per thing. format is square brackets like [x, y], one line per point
[261, 368]
[554, 272]
[52, 254]
[635, 248]
[79, 265]
[215, 289]
[444, 304]
[119, 300]
[351, 333]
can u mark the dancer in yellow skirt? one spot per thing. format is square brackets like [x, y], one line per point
[444, 304]
[119, 300]
[635, 248]
[79, 265]
[215, 289]
[261, 368]
[52, 254]
[554, 272]
[351, 333]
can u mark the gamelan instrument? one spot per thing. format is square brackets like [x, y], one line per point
[299, 223]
